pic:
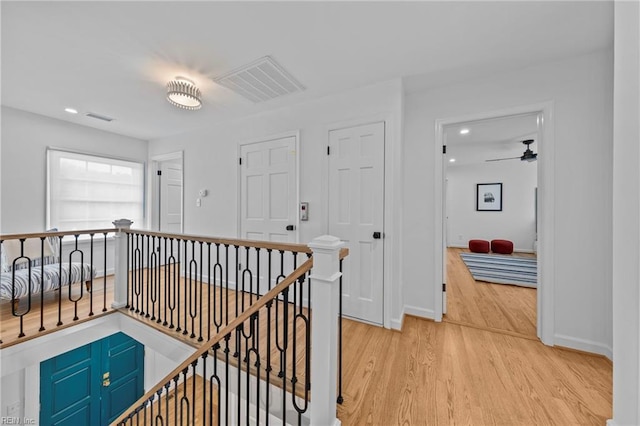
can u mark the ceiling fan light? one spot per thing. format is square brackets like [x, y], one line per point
[184, 94]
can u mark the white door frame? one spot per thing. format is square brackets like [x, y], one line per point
[546, 191]
[392, 210]
[177, 155]
[293, 133]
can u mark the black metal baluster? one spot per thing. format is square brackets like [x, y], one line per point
[129, 269]
[152, 269]
[217, 291]
[140, 288]
[226, 280]
[340, 398]
[90, 289]
[226, 376]
[257, 274]
[166, 270]
[70, 296]
[149, 276]
[247, 273]
[209, 302]
[268, 368]
[199, 286]
[59, 280]
[41, 284]
[178, 288]
[237, 268]
[204, 390]
[269, 271]
[307, 344]
[104, 274]
[14, 306]
[171, 294]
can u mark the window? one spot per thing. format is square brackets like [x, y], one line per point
[89, 192]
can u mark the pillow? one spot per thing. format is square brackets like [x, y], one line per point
[11, 249]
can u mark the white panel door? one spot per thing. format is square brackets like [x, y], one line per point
[171, 196]
[268, 190]
[356, 213]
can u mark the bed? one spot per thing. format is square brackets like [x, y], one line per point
[34, 268]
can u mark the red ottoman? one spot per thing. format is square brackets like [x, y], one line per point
[479, 246]
[502, 246]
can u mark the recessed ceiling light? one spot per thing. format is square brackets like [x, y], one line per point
[71, 110]
[452, 160]
[464, 131]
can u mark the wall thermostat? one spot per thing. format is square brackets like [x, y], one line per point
[202, 192]
[304, 211]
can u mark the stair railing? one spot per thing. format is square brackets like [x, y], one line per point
[258, 368]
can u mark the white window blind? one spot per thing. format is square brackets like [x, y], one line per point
[89, 192]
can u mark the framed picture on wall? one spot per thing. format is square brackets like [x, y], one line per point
[489, 197]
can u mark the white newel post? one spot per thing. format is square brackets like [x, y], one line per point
[120, 264]
[325, 281]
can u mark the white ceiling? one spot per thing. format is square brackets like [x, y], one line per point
[490, 139]
[115, 58]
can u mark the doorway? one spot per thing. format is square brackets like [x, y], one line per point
[544, 212]
[92, 384]
[356, 215]
[269, 189]
[489, 154]
[168, 194]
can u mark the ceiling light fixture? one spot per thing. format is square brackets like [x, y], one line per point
[452, 160]
[464, 131]
[183, 93]
[71, 110]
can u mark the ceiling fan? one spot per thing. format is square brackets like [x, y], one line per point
[528, 155]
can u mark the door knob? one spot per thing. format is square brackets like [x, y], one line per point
[378, 235]
[291, 227]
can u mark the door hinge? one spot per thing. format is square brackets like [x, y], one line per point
[444, 149]
[444, 287]
[240, 161]
[328, 150]
[159, 172]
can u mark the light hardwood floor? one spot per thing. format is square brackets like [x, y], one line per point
[447, 373]
[442, 373]
[492, 306]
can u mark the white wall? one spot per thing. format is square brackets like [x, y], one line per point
[211, 162]
[626, 217]
[25, 138]
[582, 94]
[516, 221]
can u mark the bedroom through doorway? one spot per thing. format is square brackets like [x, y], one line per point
[490, 193]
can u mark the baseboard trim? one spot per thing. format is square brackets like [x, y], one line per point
[611, 422]
[396, 323]
[418, 312]
[414, 311]
[583, 345]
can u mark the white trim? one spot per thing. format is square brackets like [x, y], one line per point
[546, 174]
[177, 155]
[583, 345]
[292, 133]
[418, 312]
[611, 422]
[392, 185]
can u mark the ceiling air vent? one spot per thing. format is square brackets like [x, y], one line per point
[99, 117]
[260, 81]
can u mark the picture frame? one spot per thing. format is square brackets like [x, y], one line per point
[489, 197]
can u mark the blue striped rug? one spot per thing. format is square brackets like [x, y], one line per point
[522, 271]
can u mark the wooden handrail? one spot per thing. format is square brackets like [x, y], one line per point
[55, 234]
[298, 248]
[260, 303]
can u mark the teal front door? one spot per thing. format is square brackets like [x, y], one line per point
[93, 384]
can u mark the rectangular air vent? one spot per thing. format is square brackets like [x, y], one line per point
[99, 117]
[260, 81]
